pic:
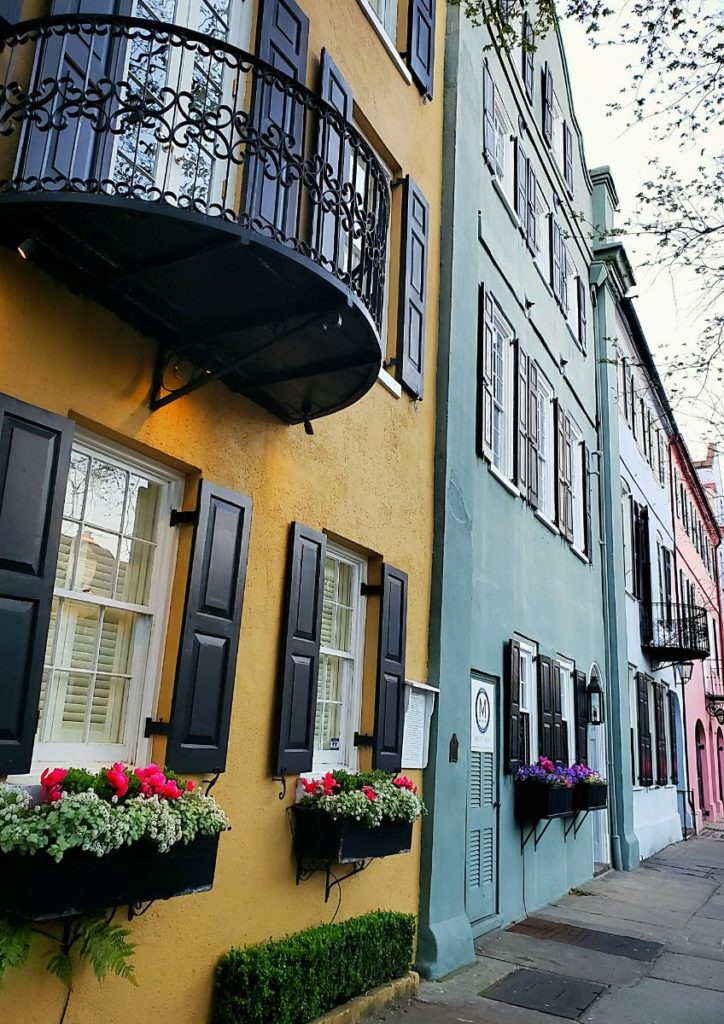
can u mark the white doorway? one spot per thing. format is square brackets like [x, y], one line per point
[597, 761]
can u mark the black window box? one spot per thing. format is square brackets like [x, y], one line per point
[318, 836]
[36, 887]
[590, 796]
[535, 801]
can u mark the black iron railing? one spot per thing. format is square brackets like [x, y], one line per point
[156, 113]
[714, 688]
[676, 631]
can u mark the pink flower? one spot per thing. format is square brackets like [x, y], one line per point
[190, 786]
[53, 794]
[402, 782]
[118, 779]
[329, 784]
[310, 786]
[170, 791]
[369, 793]
[546, 764]
[50, 780]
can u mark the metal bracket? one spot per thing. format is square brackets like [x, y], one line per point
[156, 728]
[181, 518]
[576, 824]
[362, 739]
[305, 870]
[138, 909]
[534, 834]
[283, 779]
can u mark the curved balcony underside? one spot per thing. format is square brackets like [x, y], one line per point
[241, 223]
[675, 633]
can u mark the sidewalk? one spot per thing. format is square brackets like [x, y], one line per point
[645, 947]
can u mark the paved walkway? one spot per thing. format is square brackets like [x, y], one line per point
[645, 947]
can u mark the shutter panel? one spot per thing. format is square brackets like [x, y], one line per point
[559, 738]
[12, 12]
[582, 313]
[586, 497]
[521, 184]
[533, 435]
[565, 272]
[568, 156]
[270, 198]
[624, 374]
[421, 44]
[488, 116]
[532, 221]
[528, 55]
[206, 670]
[513, 724]
[299, 661]
[662, 774]
[644, 555]
[34, 459]
[328, 234]
[557, 261]
[545, 707]
[485, 374]
[568, 479]
[548, 105]
[521, 419]
[581, 712]
[560, 456]
[390, 697]
[672, 734]
[644, 731]
[413, 289]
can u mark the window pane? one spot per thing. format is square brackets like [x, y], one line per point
[65, 709]
[76, 488]
[135, 570]
[106, 495]
[67, 550]
[95, 569]
[330, 694]
[142, 510]
[77, 636]
[108, 709]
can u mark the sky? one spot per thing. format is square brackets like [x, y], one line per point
[666, 304]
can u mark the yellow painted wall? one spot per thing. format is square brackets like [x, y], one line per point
[365, 476]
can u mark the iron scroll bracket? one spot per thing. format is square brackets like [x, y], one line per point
[533, 834]
[575, 824]
[307, 868]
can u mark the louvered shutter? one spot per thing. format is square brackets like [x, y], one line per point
[624, 376]
[328, 233]
[546, 742]
[662, 773]
[488, 117]
[548, 105]
[34, 459]
[421, 44]
[560, 456]
[521, 184]
[513, 725]
[568, 156]
[568, 478]
[644, 731]
[390, 695]
[644, 567]
[557, 257]
[206, 669]
[521, 419]
[559, 734]
[564, 275]
[299, 660]
[485, 374]
[582, 313]
[581, 712]
[532, 220]
[413, 289]
[673, 741]
[533, 435]
[586, 497]
[528, 55]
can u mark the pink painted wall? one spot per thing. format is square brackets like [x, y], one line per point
[707, 675]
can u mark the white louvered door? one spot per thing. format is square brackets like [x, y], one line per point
[481, 859]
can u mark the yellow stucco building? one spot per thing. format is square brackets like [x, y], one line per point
[225, 280]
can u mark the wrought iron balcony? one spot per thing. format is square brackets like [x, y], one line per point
[203, 195]
[675, 632]
[714, 689]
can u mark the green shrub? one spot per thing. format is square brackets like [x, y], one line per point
[295, 979]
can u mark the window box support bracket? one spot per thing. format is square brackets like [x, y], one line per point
[305, 870]
[533, 834]
[575, 824]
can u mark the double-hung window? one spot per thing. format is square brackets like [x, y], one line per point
[528, 700]
[339, 684]
[546, 442]
[628, 544]
[385, 12]
[108, 614]
[503, 156]
[502, 454]
[566, 668]
[577, 486]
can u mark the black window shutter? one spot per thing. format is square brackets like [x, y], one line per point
[528, 55]
[513, 724]
[582, 313]
[533, 435]
[299, 655]
[568, 156]
[644, 731]
[421, 44]
[586, 483]
[484, 440]
[521, 419]
[559, 459]
[644, 568]
[390, 697]
[521, 184]
[488, 116]
[328, 234]
[559, 737]
[206, 669]
[545, 707]
[662, 768]
[547, 105]
[557, 257]
[532, 221]
[672, 734]
[413, 289]
[34, 459]
[581, 712]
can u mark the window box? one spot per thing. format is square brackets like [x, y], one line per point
[319, 836]
[38, 888]
[535, 801]
[590, 796]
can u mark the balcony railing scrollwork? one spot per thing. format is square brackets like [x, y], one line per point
[714, 689]
[675, 632]
[159, 117]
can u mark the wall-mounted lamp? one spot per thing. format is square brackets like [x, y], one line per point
[685, 670]
[563, 363]
[594, 701]
[28, 248]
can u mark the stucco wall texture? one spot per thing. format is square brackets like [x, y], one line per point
[365, 477]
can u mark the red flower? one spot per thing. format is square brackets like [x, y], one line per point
[118, 779]
[50, 780]
[170, 790]
[190, 786]
[369, 793]
[329, 784]
[310, 786]
[53, 794]
[546, 764]
[402, 782]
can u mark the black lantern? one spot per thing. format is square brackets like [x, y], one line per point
[594, 700]
[685, 670]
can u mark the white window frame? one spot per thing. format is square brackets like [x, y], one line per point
[529, 657]
[143, 691]
[557, 121]
[634, 723]
[568, 707]
[546, 449]
[386, 18]
[502, 402]
[503, 153]
[543, 216]
[579, 532]
[627, 530]
[347, 757]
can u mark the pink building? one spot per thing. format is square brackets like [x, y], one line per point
[698, 594]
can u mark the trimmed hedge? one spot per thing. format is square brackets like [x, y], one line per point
[295, 979]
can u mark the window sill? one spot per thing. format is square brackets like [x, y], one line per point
[389, 383]
[547, 523]
[579, 554]
[505, 201]
[504, 480]
[386, 42]
[544, 280]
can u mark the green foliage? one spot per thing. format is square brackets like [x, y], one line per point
[60, 963]
[295, 979]
[370, 797]
[103, 945]
[14, 945]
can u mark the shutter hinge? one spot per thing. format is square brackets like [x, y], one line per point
[370, 589]
[363, 740]
[181, 518]
[156, 728]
